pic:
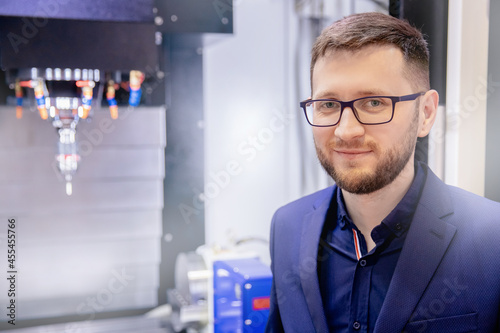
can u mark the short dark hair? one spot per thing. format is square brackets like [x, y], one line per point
[359, 30]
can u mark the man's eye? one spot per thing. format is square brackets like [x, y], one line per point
[328, 105]
[374, 104]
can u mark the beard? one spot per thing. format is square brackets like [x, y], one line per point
[389, 165]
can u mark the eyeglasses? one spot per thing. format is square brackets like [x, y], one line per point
[371, 110]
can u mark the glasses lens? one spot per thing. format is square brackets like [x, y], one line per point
[323, 113]
[373, 110]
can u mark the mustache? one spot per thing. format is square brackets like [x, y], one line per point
[353, 144]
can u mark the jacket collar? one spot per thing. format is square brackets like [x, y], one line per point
[426, 243]
[311, 233]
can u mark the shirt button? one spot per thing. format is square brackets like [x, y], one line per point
[356, 325]
[398, 226]
[362, 262]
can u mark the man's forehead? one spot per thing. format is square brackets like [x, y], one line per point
[372, 57]
[367, 50]
[374, 67]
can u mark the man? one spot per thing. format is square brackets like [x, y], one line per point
[390, 248]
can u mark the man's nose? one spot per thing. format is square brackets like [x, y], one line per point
[349, 127]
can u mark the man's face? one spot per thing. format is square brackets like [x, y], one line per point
[365, 158]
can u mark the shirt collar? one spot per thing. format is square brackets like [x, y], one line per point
[399, 219]
[343, 218]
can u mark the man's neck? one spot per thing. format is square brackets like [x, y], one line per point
[368, 210]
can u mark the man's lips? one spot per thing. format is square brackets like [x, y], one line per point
[352, 153]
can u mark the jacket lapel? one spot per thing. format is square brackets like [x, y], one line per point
[311, 232]
[427, 241]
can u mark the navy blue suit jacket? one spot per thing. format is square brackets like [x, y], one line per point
[447, 278]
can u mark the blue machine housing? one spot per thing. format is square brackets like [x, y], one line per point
[241, 295]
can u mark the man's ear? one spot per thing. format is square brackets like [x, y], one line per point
[427, 109]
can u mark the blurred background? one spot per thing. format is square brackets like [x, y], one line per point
[145, 145]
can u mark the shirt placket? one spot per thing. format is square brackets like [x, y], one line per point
[360, 294]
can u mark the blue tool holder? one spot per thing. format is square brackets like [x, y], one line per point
[241, 295]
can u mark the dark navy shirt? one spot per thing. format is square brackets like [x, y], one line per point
[353, 290]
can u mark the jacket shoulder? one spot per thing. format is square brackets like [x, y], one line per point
[475, 212]
[456, 205]
[306, 203]
[471, 200]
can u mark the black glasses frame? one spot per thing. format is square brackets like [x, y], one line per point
[350, 104]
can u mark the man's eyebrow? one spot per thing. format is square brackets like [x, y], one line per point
[373, 92]
[358, 94]
[325, 94]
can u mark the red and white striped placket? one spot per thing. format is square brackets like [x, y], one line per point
[357, 246]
